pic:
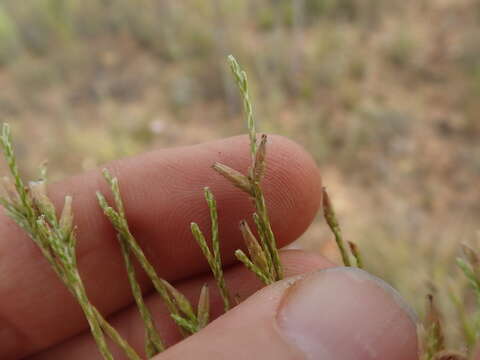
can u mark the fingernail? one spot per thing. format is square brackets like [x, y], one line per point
[347, 314]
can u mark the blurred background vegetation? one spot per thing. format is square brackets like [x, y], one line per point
[384, 94]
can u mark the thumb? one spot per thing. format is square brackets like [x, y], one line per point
[338, 313]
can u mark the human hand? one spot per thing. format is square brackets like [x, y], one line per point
[320, 312]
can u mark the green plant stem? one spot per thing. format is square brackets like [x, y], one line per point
[31, 209]
[153, 343]
[178, 306]
[356, 254]
[251, 184]
[242, 83]
[91, 315]
[213, 256]
[116, 337]
[241, 256]
[123, 230]
[266, 229]
[331, 219]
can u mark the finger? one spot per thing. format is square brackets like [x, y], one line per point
[128, 322]
[338, 313]
[163, 194]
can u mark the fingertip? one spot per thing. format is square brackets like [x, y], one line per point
[346, 313]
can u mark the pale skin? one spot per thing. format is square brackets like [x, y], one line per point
[355, 316]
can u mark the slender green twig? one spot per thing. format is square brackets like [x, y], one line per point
[242, 83]
[356, 254]
[331, 219]
[115, 336]
[256, 251]
[179, 307]
[213, 256]
[241, 256]
[251, 185]
[153, 342]
[32, 210]
[119, 222]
